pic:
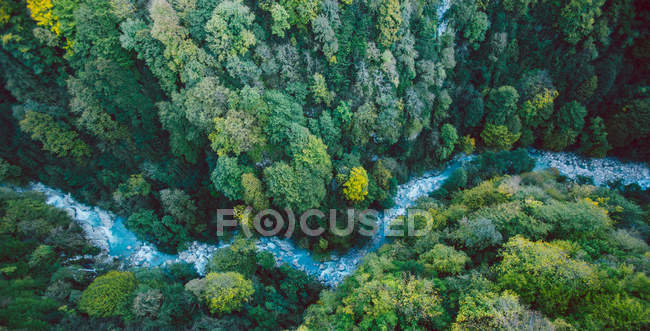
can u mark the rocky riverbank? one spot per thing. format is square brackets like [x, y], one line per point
[601, 171]
[107, 231]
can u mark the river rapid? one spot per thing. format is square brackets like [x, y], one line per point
[107, 231]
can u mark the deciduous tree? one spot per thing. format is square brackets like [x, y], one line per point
[108, 295]
[389, 22]
[498, 137]
[228, 31]
[543, 275]
[226, 177]
[55, 137]
[355, 188]
[226, 292]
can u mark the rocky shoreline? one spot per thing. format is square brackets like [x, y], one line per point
[601, 171]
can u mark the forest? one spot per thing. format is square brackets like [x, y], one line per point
[163, 111]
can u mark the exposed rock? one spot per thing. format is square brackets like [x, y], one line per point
[601, 171]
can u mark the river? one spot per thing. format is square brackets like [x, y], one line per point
[107, 231]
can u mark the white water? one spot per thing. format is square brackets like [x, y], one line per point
[107, 231]
[333, 271]
[442, 23]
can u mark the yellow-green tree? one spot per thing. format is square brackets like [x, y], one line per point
[56, 17]
[301, 12]
[544, 274]
[41, 11]
[444, 260]
[499, 137]
[226, 292]
[355, 188]
[319, 90]
[382, 175]
[135, 186]
[390, 21]
[56, 137]
[108, 295]
[253, 191]
[280, 19]
[537, 110]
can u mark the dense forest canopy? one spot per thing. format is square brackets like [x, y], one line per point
[519, 252]
[165, 110]
[51, 278]
[525, 252]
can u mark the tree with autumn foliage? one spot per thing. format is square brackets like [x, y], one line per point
[355, 189]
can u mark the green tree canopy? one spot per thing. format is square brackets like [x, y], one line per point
[108, 295]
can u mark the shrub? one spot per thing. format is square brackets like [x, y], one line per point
[510, 185]
[167, 233]
[71, 274]
[556, 192]
[490, 164]
[151, 277]
[182, 271]
[532, 193]
[59, 290]
[539, 178]
[108, 295]
[621, 210]
[626, 241]
[196, 286]
[581, 191]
